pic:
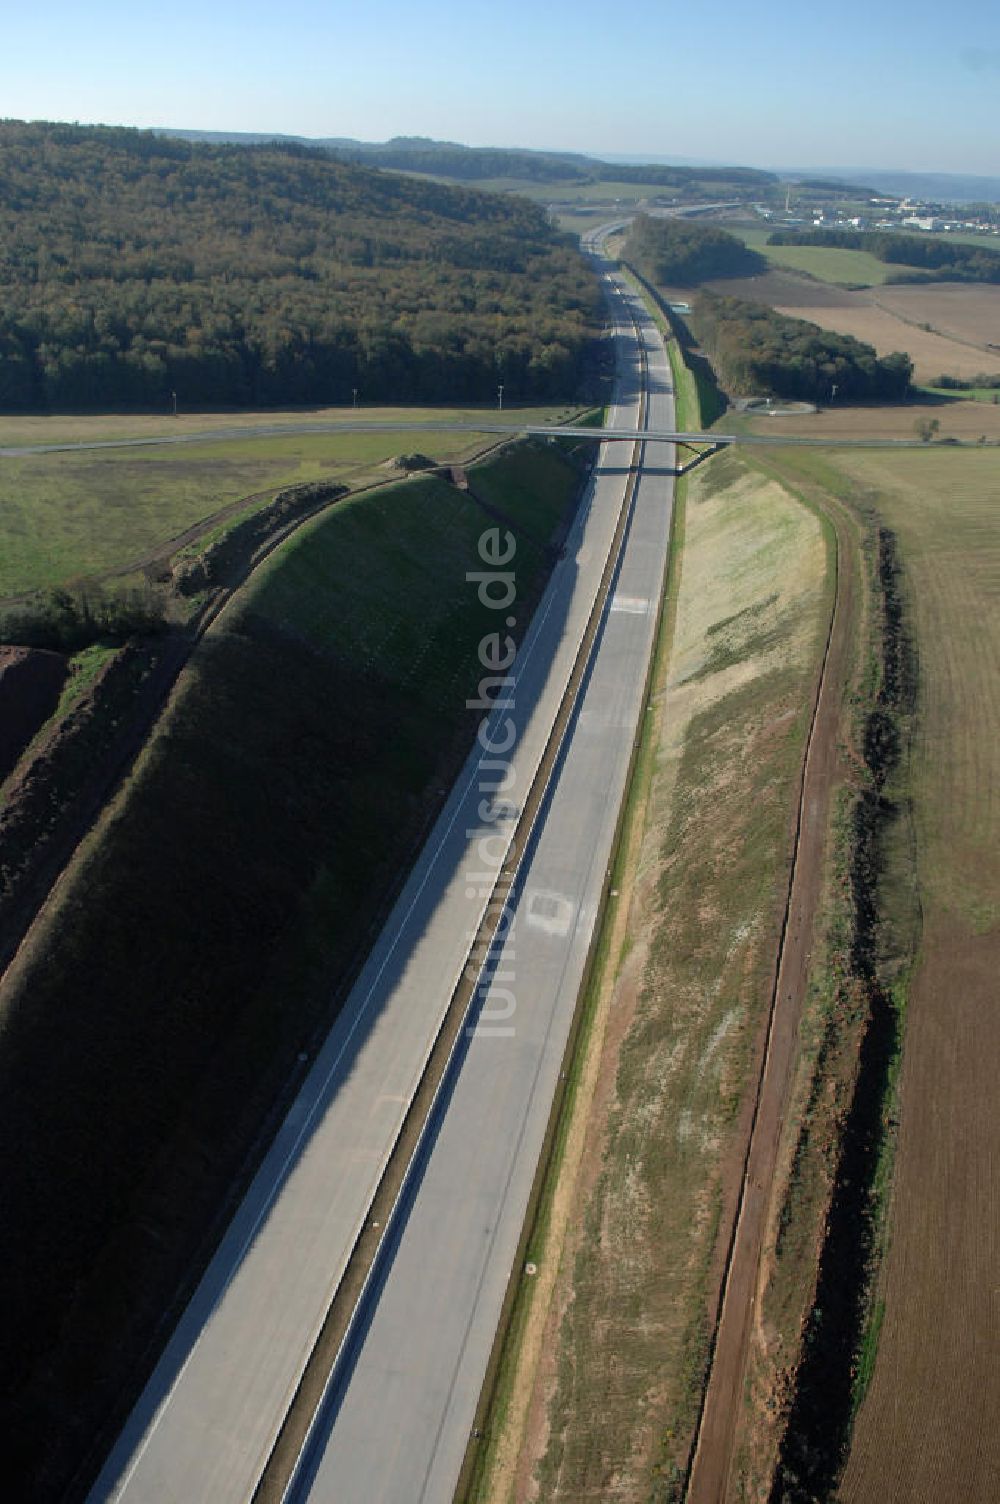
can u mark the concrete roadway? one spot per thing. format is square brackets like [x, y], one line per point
[397, 1429]
[208, 1418]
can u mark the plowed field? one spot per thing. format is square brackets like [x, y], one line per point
[927, 1430]
[946, 327]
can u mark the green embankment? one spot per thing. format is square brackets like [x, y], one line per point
[156, 1016]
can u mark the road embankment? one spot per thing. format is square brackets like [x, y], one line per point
[157, 1011]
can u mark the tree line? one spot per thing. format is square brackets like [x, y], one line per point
[936, 260]
[758, 351]
[135, 265]
[684, 252]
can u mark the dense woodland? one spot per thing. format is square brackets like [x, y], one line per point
[684, 252]
[757, 351]
[134, 265]
[939, 260]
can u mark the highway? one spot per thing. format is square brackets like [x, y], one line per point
[396, 1424]
[207, 1421]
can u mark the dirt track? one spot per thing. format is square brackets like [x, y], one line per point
[710, 1471]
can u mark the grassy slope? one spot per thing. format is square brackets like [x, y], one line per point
[632, 1344]
[198, 940]
[63, 515]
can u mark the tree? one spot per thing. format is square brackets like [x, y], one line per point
[927, 428]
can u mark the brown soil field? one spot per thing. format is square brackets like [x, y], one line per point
[931, 354]
[963, 341]
[968, 313]
[927, 1430]
[958, 420]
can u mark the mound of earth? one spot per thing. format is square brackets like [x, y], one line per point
[31, 680]
[410, 462]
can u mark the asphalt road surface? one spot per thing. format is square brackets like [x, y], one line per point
[207, 1421]
[396, 1427]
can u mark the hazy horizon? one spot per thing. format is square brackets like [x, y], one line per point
[890, 84]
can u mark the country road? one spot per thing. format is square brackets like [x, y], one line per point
[206, 1424]
[619, 432]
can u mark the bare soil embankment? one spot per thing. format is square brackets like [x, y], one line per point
[30, 684]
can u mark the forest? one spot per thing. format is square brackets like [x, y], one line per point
[757, 351]
[134, 266]
[937, 260]
[683, 252]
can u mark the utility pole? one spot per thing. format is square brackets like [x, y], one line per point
[354, 394]
[500, 398]
[173, 398]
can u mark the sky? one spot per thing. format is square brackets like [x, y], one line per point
[909, 84]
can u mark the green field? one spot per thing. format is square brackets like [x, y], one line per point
[967, 394]
[85, 513]
[825, 263]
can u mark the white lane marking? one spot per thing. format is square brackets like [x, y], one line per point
[632, 605]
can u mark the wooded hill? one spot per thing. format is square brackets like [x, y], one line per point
[757, 351]
[938, 260]
[683, 252]
[450, 159]
[134, 265]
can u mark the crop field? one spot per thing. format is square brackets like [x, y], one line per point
[964, 312]
[91, 512]
[927, 1430]
[932, 354]
[615, 1394]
